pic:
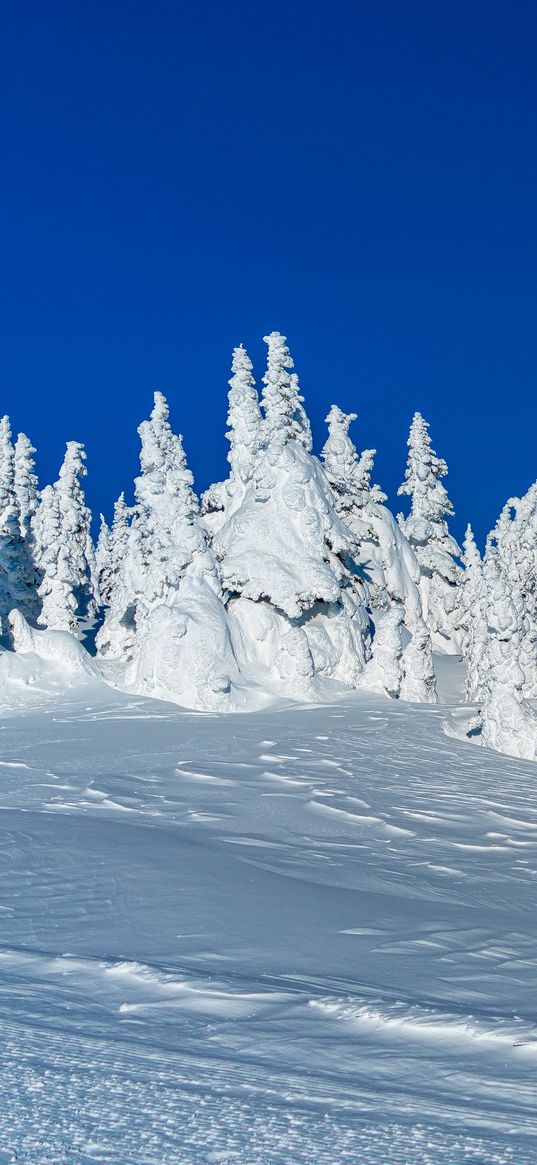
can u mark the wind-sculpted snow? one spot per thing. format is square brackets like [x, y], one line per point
[302, 935]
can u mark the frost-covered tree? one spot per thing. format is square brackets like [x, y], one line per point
[115, 551]
[102, 551]
[17, 572]
[286, 553]
[64, 549]
[474, 619]
[384, 671]
[514, 538]
[59, 604]
[285, 417]
[427, 531]
[384, 559]
[244, 419]
[181, 647]
[25, 482]
[246, 438]
[385, 556]
[509, 724]
[419, 680]
[75, 518]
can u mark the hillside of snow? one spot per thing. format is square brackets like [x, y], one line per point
[302, 935]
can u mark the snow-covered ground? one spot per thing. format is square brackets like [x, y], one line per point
[307, 934]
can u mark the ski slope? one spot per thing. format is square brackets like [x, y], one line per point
[307, 934]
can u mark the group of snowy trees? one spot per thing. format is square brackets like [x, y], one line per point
[289, 575]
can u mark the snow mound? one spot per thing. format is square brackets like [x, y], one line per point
[60, 646]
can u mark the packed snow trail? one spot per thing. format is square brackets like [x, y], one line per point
[301, 935]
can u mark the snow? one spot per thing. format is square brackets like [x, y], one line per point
[305, 934]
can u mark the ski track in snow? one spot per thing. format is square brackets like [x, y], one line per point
[299, 935]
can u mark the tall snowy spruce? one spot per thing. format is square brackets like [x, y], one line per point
[435, 548]
[112, 548]
[246, 439]
[17, 570]
[25, 483]
[64, 549]
[515, 539]
[286, 555]
[474, 619]
[508, 722]
[385, 563]
[181, 648]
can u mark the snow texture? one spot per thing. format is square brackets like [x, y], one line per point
[302, 935]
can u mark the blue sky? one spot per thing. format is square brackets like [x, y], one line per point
[179, 178]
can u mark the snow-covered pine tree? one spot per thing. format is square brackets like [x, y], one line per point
[64, 549]
[102, 551]
[17, 573]
[245, 435]
[384, 671]
[56, 593]
[474, 619]
[286, 553]
[384, 558]
[181, 648]
[515, 539]
[508, 722]
[419, 681]
[427, 531]
[285, 416]
[25, 482]
[75, 520]
[117, 544]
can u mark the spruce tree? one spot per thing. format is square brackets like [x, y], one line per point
[245, 435]
[173, 631]
[474, 618]
[427, 531]
[285, 417]
[115, 551]
[285, 546]
[25, 482]
[509, 724]
[59, 604]
[385, 560]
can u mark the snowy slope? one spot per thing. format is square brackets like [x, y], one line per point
[302, 935]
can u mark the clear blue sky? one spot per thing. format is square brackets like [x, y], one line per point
[178, 178]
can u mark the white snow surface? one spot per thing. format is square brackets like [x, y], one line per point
[303, 935]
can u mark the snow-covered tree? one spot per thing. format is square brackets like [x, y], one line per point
[246, 437]
[514, 538]
[102, 551]
[427, 531]
[25, 482]
[419, 680]
[244, 419]
[286, 548]
[17, 572]
[181, 646]
[64, 549]
[115, 548]
[59, 604]
[75, 520]
[384, 559]
[509, 724]
[384, 671]
[474, 619]
[285, 417]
